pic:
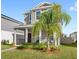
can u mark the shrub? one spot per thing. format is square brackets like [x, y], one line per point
[51, 46]
[35, 46]
[42, 46]
[28, 45]
[20, 47]
[5, 42]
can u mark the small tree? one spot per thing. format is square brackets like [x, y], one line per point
[51, 22]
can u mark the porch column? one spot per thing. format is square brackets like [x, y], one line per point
[58, 41]
[40, 36]
[15, 37]
[26, 35]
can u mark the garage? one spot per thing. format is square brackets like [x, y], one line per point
[20, 39]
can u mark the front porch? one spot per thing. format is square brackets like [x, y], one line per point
[28, 37]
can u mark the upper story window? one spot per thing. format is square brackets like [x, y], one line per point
[37, 14]
[30, 18]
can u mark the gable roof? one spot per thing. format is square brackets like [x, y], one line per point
[11, 19]
[73, 33]
[42, 5]
[45, 4]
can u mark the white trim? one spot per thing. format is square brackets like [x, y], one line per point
[20, 33]
[15, 38]
[35, 14]
[40, 36]
[26, 35]
[12, 32]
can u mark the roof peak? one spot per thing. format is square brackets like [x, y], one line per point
[45, 2]
[41, 5]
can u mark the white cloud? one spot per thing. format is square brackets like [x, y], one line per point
[74, 7]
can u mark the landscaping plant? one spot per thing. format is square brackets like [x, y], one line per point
[51, 22]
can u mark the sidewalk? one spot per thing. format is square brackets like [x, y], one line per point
[8, 49]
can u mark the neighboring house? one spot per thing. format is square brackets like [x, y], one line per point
[74, 36]
[69, 40]
[7, 29]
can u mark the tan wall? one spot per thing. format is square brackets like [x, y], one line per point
[33, 18]
[26, 20]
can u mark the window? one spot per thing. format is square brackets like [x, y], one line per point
[37, 14]
[30, 18]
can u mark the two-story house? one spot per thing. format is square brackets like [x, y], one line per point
[31, 18]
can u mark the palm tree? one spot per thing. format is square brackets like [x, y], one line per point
[51, 22]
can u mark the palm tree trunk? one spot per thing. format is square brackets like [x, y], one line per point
[56, 43]
[48, 46]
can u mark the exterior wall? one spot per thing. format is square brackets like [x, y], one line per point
[8, 25]
[67, 40]
[74, 36]
[7, 30]
[33, 17]
[43, 38]
[26, 20]
[7, 35]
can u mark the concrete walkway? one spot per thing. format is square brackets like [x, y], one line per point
[8, 49]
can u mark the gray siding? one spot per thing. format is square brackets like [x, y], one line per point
[67, 40]
[7, 29]
[8, 25]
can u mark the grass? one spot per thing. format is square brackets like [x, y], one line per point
[5, 46]
[65, 52]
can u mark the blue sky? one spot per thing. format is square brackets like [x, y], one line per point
[16, 9]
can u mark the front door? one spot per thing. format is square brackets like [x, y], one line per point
[29, 37]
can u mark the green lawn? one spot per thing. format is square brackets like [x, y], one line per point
[5, 46]
[66, 52]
